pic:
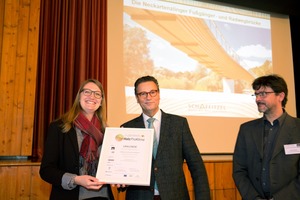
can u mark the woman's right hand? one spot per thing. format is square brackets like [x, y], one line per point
[89, 182]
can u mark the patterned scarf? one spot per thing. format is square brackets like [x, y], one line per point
[93, 137]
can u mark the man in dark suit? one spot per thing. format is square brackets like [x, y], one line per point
[266, 160]
[175, 144]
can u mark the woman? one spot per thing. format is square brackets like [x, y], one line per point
[73, 147]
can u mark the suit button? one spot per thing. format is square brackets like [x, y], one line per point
[155, 169]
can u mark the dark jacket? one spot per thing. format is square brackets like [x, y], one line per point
[284, 169]
[176, 144]
[61, 155]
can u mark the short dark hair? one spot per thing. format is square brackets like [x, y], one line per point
[274, 81]
[145, 79]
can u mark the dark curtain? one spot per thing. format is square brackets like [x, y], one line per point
[295, 33]
[72, 48]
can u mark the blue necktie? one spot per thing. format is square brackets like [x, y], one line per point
[155, 144]
[150, 125]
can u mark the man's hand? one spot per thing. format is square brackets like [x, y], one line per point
[120, 187]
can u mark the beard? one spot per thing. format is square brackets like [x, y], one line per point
[262, 107]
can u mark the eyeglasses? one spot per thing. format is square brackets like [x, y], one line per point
[262, 94]
[152, 93]
[88, 92]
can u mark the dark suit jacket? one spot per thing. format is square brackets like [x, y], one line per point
[61, 155]
[176, 144]
[284, 169]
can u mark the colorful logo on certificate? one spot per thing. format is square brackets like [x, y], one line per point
[119, 137]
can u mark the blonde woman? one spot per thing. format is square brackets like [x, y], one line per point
[73, 147]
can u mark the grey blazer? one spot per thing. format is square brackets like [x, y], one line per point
[284, 169]
[176, 144]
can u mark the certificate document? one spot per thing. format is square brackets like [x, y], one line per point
[126, 156]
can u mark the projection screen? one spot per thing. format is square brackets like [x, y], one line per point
[205, 57]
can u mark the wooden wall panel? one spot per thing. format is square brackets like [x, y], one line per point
[18, 79]
[22, 181]
[7, 79]
[2, 8]
[210, 169]
[189, 181]
[31, 76]
[117, 195]
[39, 189]
[6, 185]
[15, 182]
[223, 176]
[18, 69]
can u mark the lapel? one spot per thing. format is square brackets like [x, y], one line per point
[258, 135]
[284, 135]
[72, 135]
[164, 131]
[139, 122]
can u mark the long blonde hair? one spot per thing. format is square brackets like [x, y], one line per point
[69, 117]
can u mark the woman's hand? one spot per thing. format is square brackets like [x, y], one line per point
[89, 182]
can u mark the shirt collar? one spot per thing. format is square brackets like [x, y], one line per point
[280, 119]
[157, 116]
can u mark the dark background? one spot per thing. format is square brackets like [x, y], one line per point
[286, 7]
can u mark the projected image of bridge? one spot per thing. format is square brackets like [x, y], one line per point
[200, 39]
[203, 68]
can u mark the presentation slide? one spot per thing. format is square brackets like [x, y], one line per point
[205, 57]
[218, 51]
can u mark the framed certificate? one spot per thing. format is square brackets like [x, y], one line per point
[126, 156]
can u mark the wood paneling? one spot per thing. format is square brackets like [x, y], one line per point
[39, 189]
[2, 8]
[18, 68]
[31, 73]
[220, 180]
[22, 181]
